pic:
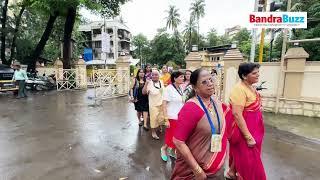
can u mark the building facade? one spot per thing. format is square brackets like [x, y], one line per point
[212, 57]
[230, 32]
[120, 39]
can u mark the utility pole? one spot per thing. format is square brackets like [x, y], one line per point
[254, 35]
[262, 36]
[104, 30]
[282, 71]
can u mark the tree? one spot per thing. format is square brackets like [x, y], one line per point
[242, 35]
[212, 37]
[23, 5]
[108, 8]
[243, 39]
[223, 40]
[173, 18]
[140, 42]
[197, 12]
[189, 29]
[163, 50]
[4, 31]
[312, 7]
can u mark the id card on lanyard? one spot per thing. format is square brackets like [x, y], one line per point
[216, 139]
[179, 91]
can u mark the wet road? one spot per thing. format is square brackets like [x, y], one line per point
[67, 136]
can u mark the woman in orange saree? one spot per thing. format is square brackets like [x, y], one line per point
[246, 127]
[166, 76]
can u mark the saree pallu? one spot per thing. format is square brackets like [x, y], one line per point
[247, 160]
[166, 79]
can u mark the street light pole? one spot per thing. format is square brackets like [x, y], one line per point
[262, 36]
[282, 71]
[254, 35]
[104, 30]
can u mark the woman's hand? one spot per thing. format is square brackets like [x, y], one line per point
[167, 123]
[201, 176]
[131, 99]
[250, 141]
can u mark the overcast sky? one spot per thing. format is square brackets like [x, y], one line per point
[146, 16]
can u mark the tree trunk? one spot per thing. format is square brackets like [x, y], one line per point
[15, 34]
[45, 36]
[4, 32]
[190, 40]
[68, 28]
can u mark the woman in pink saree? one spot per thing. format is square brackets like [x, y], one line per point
[246, 127]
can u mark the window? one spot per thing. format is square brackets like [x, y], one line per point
[97, 44]
[96, 31]
[218, 58]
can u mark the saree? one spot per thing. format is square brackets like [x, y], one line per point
[194, 129]
[166, 79]
[247, 160]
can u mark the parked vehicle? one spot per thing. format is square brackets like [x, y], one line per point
[6, 82]
[40, 83]
[260, 88]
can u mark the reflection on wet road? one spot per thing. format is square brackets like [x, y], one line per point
[66, 136]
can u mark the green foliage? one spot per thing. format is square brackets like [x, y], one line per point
[212, 37]
[190, 34]
[173, 18]
[142, 47]
[197, 9]
[313, 30]
[165, 47]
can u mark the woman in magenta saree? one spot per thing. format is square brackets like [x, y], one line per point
[246, 127]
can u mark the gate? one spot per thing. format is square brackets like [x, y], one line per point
[109, 83]
[67, 79]
[219, 88]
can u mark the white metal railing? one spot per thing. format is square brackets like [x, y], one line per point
[67, 79]
[110, 83]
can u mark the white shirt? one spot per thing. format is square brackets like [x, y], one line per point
[174, 101]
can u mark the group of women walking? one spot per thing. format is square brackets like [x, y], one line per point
[199, 126]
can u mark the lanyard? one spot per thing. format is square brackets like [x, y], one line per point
[154, 84]
[179, 91]
[213, 129]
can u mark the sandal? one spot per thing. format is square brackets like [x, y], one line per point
[145, 128]
[164, 157]
[228, 176]
[140, 123]
[155, 136]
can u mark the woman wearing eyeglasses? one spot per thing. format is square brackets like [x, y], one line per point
[200, 134]
[154, 88]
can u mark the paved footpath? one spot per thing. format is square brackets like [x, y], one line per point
[57, 136]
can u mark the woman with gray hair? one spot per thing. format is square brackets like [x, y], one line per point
[154, 88]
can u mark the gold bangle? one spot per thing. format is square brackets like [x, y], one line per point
[198, 170]
[248, 137]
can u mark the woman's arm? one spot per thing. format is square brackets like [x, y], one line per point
[189, 159]
[131, 89]
[165, 112]
[145, 88]
[237, 113]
